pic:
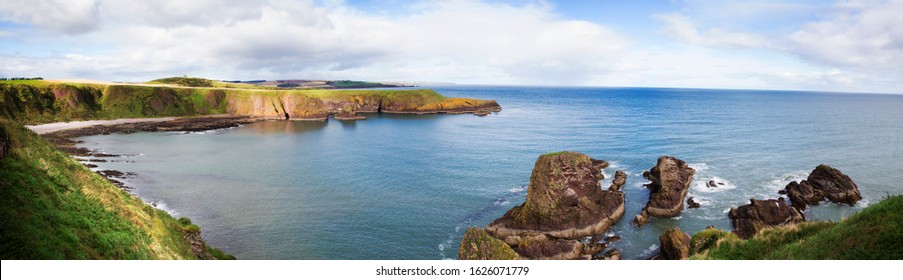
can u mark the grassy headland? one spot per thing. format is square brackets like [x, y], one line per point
[873, 233]
[52, 207]
[35, 102]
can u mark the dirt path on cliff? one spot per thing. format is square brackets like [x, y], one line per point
[53, 127]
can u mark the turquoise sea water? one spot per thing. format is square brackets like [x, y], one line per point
[406, 187]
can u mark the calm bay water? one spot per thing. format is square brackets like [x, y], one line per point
[406, 187]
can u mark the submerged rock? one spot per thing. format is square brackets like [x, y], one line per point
[564, 200]
[671, 179]
[478, 245]
[824, 182]
[675, 245]
[620, 180]
[751, 218]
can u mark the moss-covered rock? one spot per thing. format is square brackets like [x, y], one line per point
[675, 245]
[564, 200]
[478, 245]
[759, 214]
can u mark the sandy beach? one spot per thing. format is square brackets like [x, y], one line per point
[53, 127]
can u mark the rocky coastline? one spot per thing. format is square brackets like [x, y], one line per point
[567, 213]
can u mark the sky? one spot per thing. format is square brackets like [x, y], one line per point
[848, 45]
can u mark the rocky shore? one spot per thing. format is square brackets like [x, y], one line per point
[567, 212]
[823, 183]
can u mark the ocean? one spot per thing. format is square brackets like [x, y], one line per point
[407, 186]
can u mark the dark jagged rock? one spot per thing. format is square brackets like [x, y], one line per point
[751, 218]
[4, 143]
[564, 200]
[675, 245]
[478, 245]
[599, 164]
[824, 182]
[671, 179]
[620, 180]
[692, 203]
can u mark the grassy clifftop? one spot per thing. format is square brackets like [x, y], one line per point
[52, 207]
[36, 102]
[873, 233]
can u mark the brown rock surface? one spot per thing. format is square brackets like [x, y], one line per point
[824, 182]
[564, 200]
[751, 218]
[671, 179]
[675, 245]
[620, 180]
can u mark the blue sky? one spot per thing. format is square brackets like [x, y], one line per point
[845, 45]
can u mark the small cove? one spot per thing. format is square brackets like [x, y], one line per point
[406, 186]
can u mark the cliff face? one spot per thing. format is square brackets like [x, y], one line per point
[42, 102]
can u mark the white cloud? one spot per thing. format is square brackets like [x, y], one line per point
[681, 27]
[461, 41]
[57, 16]
[865, 36]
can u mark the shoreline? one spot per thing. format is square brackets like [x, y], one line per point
[61, 136]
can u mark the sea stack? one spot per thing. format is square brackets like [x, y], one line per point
[825, 182]
[671, 179]
[758, 214]
[620, 180]
[565, 202]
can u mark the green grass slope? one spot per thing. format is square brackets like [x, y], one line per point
[52, 207]
[876, 232]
